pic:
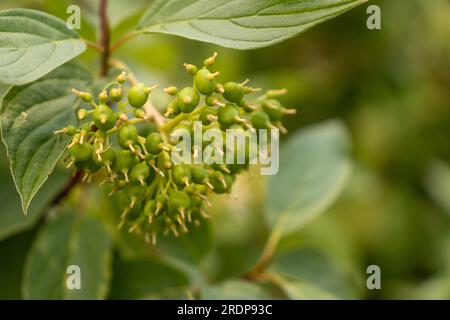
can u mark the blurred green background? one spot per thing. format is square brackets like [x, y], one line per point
[392, 89]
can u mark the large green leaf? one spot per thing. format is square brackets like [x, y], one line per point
[13, 252]
[11, 218]
[29, 115]
[314, 167]
[234, 290]
[69, 239]
[309, 274]
[145, 278]
[33, 43]
[240, 24]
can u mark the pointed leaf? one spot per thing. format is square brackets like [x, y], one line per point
[33, 43]
[240, 24]
[29, 115]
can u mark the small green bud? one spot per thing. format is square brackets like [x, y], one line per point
[122, 78]
[139, 172]
[125, 159]
[127, 136]
[103, 97]
[181, 175]
[233, 92]
[191, 69]
[138, 95]
[82, 114]
[260, 120]
[80, 152]
[115, 94]
[171, 91]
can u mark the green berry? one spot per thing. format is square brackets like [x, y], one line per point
[164, 160]
[127, 136]
[181, 175]
[205, 81]
[179, 200]
[140, 113]
[88, 166]
[139, 172]
[274, 109]
[199, 174]
[233, 92]
[260, 120]
[221, 182]
[135, 191]
[227, 115]
[213, 99]
[106, 157]
[138, 95]
[104, 118]
[81, 152]
[154, 143]
[188, 99]
[172, 109]
[125, 160]
[207, 116]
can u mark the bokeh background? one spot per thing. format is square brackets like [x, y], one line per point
[392, 89]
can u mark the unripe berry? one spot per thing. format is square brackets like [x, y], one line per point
[199, 174]
[207, 116]
[125, 159]
[172, 109]
[127, 136]
[88, 166]
[164, 160]
[115, 94]
[105, 157]
[260, 120]
[154, 143]
[274, 109]
[214, 99]
[181, 175]
[104, 118]
[139, 172]
[221, 182]
[233, 92]
[138, 95]
[205, 81]
[227, 115]
[80, 152]
[179, 200]
[135, 192]
[188, 99]
[140, 113]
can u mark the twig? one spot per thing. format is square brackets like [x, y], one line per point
[104, 38]
[121, 41]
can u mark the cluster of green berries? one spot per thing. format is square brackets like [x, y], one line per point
[155, 194]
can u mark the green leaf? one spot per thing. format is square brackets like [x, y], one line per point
[240, 24]
[234, 290]
[298, 290]
[145, 278]
[314, 167]
[309, 274]
[29, 115]
[13, 252]
[67, 240]
[11, 219]
[33, 43]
